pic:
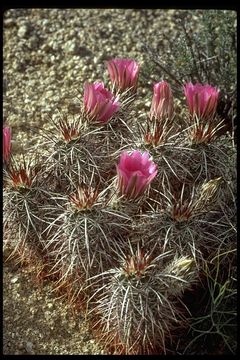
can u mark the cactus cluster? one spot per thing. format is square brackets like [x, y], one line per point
[126, 209]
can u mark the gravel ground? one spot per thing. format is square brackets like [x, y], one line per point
[48, 54]
[36, 322]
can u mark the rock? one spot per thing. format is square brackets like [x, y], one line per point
[21, 346]
[95, 59]
[33, 42]
[29, 347]
[45, 22]
[23, 31]
[9, 22]
[71, 48]
[14, 279]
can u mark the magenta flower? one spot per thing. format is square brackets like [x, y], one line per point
[123, 73]
[201, 99]
[6, 143]
[100, 104]
[135, 172]
[162, 101]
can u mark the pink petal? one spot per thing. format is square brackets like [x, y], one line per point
[135, 172]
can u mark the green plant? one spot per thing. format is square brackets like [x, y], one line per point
[216, 324]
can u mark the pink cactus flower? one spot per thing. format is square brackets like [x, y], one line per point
[6, 143]
[123, 73]
[100, 104]
[162, 102]
[135, 172]
[201, 99]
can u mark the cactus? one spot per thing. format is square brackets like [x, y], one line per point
[126, 211]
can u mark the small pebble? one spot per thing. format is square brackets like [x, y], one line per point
[29, 347]
[22, 31]
[14, 279]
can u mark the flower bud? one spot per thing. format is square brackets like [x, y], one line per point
[123, 73]
[201, 99]
[162, 101]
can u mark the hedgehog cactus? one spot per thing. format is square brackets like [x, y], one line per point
[127, 209]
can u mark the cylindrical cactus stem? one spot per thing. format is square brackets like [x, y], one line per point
[85, 232]
[77, 152]
[136, 304]
[23, 197]
[184, 219]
